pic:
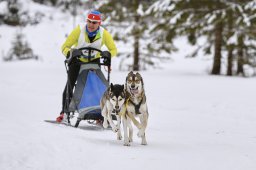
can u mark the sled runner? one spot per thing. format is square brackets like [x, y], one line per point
[90, 86]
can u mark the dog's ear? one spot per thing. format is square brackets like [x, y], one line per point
[125, 85]
[111, 86]
[142, 82]
[129, 74]
[122, 87]
[138, 75]
[126, 79]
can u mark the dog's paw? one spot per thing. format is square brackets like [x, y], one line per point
[119, 137]
[105, 124]
[115, 129]
[127, 144]
[141, 133]
[126, 141]
[143, 141]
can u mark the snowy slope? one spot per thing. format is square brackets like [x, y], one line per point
[196, 121]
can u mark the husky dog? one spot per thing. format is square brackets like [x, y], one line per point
[136, 107]
[112, 103]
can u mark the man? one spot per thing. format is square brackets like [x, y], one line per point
[89, 35]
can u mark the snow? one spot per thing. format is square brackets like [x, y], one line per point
[140, 10]
[196, 121]
[3, 7]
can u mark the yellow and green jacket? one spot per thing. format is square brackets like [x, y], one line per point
[78, 38]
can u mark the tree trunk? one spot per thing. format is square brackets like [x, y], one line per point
[230, 47]
[136, 52]
[217, 49]
[136, 55]
[240, 57]
[230, 61]
[240, 69]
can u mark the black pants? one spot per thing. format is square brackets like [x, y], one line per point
[73, 71]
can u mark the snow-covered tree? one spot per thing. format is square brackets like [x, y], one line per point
[17, 13]
[50, 2]
[132, 25]
[20, 49]
[227, 25]
[12, 17]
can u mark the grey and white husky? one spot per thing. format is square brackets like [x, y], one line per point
[136, 107]
[112, 103]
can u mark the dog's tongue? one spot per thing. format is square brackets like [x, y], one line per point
[134, 91]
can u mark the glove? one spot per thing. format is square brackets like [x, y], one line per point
[72, 55]
[105, 54]
[76, 53]
[106, 57]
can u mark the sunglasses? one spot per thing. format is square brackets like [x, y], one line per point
[92, 22]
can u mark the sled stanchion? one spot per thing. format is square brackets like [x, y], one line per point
[109, 74]
[68, 117]
[77, 122]
[109, 69]
[68, 88]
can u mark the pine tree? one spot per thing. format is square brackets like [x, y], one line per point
[130, 18]
[46, 2]
[217, 20]
[16, 15]
[12, 17]
[20, 49]
[245, 30]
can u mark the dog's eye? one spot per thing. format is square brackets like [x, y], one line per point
[120, 99]
[113, 99]
[129, 81]
[137, 81]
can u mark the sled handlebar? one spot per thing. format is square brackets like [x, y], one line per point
[89, 49]
[86, 52]
[106, 60]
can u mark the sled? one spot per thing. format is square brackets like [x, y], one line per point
[90, 87]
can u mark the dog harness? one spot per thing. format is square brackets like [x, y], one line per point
[123, 112]
[136, 106]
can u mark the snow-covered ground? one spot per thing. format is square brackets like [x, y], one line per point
[197, 121]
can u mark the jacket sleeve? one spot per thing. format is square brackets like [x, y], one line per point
[71, 40]
[109, 42]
